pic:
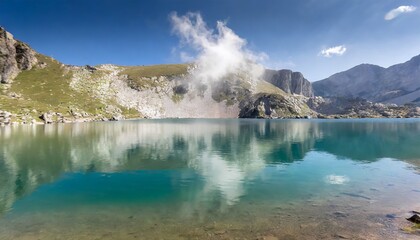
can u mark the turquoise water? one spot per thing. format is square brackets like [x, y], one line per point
[210, 179]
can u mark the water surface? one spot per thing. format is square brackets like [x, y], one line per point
[210, 179]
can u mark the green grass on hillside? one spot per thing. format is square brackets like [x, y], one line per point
[155, 70]
[46, 89]
[137, 74]
[266, 87]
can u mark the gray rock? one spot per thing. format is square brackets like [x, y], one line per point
[5, 118]
[359, 108]
[272, 106]
[4, 114]
[290, 82]
[414, 219]
[47, 117]
[15, 56]
[117, 117]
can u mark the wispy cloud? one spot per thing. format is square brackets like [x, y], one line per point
[337, 51]
[398, 11]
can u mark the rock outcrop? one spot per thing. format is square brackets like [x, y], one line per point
[5, 118]
[264, 105]
[339, 107]
[290, 82]
[15, 56]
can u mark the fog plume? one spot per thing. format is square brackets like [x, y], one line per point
[219, 52]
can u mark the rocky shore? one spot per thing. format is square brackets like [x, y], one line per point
[8, 118]
[262, 106]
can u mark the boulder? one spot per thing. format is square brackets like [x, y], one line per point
[5, 118]
[47, 117]
[117, 117]
[414, 219]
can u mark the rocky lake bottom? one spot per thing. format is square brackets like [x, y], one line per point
[211, 179]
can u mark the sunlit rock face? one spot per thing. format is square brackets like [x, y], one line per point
[289, 81]
[15, 56]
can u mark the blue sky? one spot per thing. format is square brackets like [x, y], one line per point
[292, 33]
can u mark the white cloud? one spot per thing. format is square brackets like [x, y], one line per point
[398, 11]
[337, 50]
[219, 52]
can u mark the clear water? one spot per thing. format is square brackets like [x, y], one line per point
[210, 179]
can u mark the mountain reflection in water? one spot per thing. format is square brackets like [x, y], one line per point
[225, 153]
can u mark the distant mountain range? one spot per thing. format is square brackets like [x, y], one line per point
[399, 84]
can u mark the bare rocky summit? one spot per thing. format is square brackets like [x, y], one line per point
[399, 84]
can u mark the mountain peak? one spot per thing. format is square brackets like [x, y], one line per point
[396, 84]
[415, 59]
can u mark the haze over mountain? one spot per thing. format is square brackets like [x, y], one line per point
[398, 84]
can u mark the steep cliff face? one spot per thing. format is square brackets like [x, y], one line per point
[15, 56]
[290, 82]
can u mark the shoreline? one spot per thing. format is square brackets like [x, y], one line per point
[7, 118]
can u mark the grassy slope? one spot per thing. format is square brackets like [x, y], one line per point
[266, 87]
[137, 74]
[46, 89]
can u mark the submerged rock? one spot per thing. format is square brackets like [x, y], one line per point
[414, 219]
[391, 216]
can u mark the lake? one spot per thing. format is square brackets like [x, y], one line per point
[210, 179]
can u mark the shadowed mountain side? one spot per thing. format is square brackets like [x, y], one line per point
[398, 84]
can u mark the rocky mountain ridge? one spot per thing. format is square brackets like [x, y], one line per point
[399, 84]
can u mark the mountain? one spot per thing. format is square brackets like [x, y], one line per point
[15, 56]
[399, 84]
[288, 81]
[36, 87]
